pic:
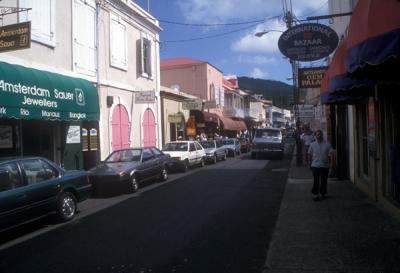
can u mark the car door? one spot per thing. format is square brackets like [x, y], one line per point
[43, 186]
[192, 154]
[160, 159]
[149, 164]
[12, 195]
[200, 153]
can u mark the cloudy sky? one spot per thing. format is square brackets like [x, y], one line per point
[208, 30]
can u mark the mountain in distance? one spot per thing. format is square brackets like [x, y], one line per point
[280, 93]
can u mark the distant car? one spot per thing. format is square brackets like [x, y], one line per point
[267, 141]
[214, 150]
[125, 170]
[232, 145]
[244, 145]
[34, 187]
[185, 154]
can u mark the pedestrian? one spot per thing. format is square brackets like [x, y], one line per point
[320, 152]
[307, 138]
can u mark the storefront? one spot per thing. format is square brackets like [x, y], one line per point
[205, 122]
[370, 78]
[48, 114]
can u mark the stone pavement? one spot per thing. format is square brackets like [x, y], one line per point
[345, 232]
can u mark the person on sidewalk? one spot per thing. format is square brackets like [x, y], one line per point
[319, 151]
[307, 138]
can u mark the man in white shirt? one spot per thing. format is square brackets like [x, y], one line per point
[319, 153]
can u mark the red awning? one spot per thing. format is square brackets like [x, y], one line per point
[231, 124]
[373, 36]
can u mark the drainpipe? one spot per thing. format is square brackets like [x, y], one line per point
[97, 32]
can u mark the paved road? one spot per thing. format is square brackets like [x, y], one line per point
[215, 219]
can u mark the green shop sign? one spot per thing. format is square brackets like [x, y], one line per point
[35, 94]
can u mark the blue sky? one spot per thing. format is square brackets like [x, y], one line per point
[239, 53]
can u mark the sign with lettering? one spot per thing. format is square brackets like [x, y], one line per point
[74, 134]
[144, 97]
[35, 94]
[94, 144]
[311, 77]
[175, 118]
[14, 37]
[308, 42]
[210, 104]
[192, 104]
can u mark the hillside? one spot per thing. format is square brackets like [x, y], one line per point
[280, 93]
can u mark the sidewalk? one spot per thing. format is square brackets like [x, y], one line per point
[345, 232]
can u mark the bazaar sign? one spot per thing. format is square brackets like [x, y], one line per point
[308, 42]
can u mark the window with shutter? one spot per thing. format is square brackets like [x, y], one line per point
[84, 37]
[42, 16]
[145, 55]
[118, 42]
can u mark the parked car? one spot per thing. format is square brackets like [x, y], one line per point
[126, 169]
[244, 145]
[34, 187]
[185, 154]
[232, 145]
[267, 141]
[214, 150]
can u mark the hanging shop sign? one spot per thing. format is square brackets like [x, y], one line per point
[175, 118]
[16, 36]
[94, 144]
[311, 77]
[192, 104]
[212, 104]
[35, 94]
[144, 97]
[308, 42]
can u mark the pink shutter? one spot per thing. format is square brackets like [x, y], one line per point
[120, 128]
[149, 128]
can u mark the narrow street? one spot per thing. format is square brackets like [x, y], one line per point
[216, 219]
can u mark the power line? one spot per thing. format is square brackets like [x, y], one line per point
[210, 36]
[214, 24]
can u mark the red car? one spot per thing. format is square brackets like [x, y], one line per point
[244, 145]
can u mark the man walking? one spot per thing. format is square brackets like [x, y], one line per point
[320, 152]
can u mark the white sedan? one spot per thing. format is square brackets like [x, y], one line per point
[185, 153]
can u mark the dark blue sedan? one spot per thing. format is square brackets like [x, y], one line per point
[34, 187]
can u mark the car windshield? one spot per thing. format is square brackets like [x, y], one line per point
[267, 133]
[208, 144]
[177, 146]
[124, 155]
[228, 142]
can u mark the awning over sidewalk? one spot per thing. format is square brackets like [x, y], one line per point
[202, 116]
[374, 39]
[231, 124]
[36, 94]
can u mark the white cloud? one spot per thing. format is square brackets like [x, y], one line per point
[257, 73]
[213, 11]
[257, 59]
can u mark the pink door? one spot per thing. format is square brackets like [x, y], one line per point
[149, 128]
[120, 128]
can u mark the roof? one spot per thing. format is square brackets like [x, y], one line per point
[184, 61]
[227, 84]
[179, 62]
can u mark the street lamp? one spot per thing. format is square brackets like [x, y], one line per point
[261, 33]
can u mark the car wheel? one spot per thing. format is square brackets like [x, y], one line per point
[66, 207]
[214, 159]
[164, 174]
[202, 163]
[134, 184]
[185, 166]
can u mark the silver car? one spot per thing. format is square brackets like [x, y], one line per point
[214, 150]
[267, 141]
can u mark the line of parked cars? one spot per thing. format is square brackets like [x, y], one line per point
[34, 187]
